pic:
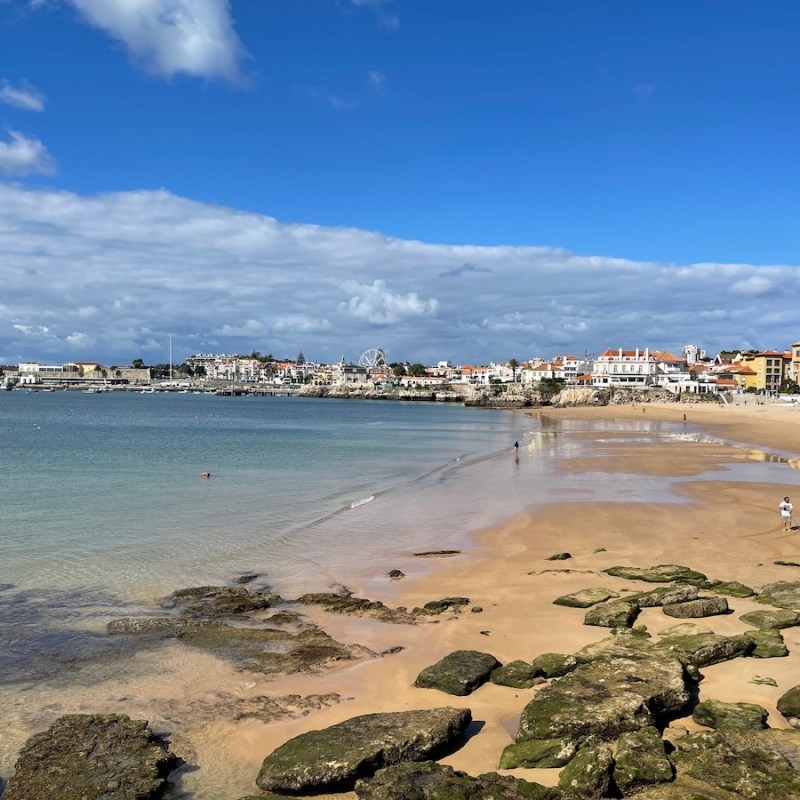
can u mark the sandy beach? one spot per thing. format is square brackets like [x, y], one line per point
[727, 529]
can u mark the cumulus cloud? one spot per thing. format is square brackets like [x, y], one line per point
[24, 96]
[193, 37]
[21, 155]
[375, 303]
[110, 277]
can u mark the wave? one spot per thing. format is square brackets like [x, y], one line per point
[362, 502]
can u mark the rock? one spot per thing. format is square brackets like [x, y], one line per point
[335, 757]
[459, 673]
[553, 665]
[731, 588]
[243, 579]
[640, 760]
[614, 614]
[538, 754]
[772, 618]
[585, 598]
[606, 698]
[477, 609]
[781, 563]
[433, 553]
[445, 604]
[213, 602]
[700, 647]
[357, 606]
[517, 674]
[747, 764]
[92, 757]
[789, 706]
[702, 607]
[663, 573]
[767, 644]
[784, 594]
[665, 595]
[588, 775]
[396, 574]
[726, 716]
[763, 680]
[155, 627]
[431, 781]
[559, 557]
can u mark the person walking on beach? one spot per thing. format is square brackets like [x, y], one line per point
[786, 509]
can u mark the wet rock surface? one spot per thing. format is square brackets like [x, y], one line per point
[92, 757]
[662, 573]
[335, 757]
[586, 598]
[214, 602]
[702, 607]
[357, 606]
[588, 775]
[640, 760]
[730, 716]
[459, 673]
[431, 781]
[772, 618]
[614, 614]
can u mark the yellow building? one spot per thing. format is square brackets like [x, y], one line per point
[768, 367]
[794, 363]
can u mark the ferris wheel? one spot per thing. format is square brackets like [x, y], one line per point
[373, 359]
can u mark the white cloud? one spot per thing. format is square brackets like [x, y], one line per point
[110, 277]
[376, 81]
[386, 20]
[23, 156]
[24, 96]
[375, 303]
[193, 37]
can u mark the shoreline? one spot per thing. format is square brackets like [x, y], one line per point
[726, 528]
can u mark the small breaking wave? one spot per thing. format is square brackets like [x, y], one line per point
[362, 502]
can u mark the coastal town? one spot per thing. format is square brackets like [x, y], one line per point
[693, 371]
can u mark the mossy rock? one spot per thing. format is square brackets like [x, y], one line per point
[662, 573]
[783, 594]
[731, 588]
[538, 753]
[428, 780]
[789, 706]
[459, 673]
[665, 595]
[517, 674]
[640, 760]
[445, 604]
[588, 775]
[614, 614]
[585, 598]
[730, 716]
[748, 764]
[772, 618]
[553, 665]
[767, 644]
[559, 557]
[704, 648]
[694, 609]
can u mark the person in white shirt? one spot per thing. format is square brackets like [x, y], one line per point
[786, 509]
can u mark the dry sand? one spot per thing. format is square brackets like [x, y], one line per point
[729, 530]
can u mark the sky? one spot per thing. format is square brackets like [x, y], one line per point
[453, 180]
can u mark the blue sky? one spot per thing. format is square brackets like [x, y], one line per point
[443, 179]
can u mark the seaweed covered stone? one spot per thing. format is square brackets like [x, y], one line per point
[730, 716]
[784, 594]
[701, 607]
[92, 757]
[428, 780]
[553, 665]
[662, 573]
[700, 647]
[640, 760]
[538, 753]
[767, 644]
[213, 602]
[789, 706]
[517, 674]
[772, 618]
[459, 673]
[665, 595]
[335, 757]
[588, 775]
[585, 598]
[614, 614]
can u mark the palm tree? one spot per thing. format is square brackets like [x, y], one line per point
[514, 364]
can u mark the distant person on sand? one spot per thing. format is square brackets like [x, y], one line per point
[516, 451]
[786, 509]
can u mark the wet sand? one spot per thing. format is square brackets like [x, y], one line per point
[730, 530]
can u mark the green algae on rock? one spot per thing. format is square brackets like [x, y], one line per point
[640, 760]
[730, 716]
[458, 673]
[613, 614]
[538, 753]
[585, 598]
[588, 775]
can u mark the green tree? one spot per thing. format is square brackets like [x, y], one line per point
[399, 370]
[549, 387]
[137, 363]
[417, 370]
[514, 364]
[301, 359]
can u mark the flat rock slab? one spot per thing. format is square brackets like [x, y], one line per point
[701, 647]
[92, 757]
[767, 644]
[335, 757]
[662, 573]
[693, 609]
[517, 674]
[588, 775]
[538, 753]
[665, 595]
[213, 602]
[614, 614]
[431, 781]
[585, 598]
[730, 716]
[731, 588]
[784, 594]
[606, 698]
[772, 618]
[789, 706]
[357, 606]
[459, 673]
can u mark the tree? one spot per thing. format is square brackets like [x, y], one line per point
[549, 387]
[417, 370]
[514, 364]
[301, 359]
[137, 363]
[399, 370]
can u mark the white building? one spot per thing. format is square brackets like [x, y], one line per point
[629, 368]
